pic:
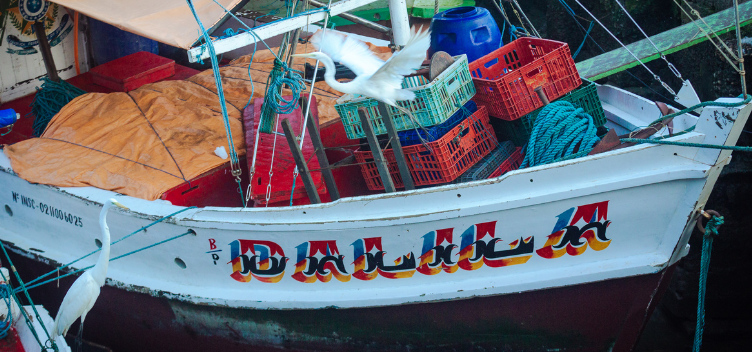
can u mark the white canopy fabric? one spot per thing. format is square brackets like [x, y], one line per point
[166, 21]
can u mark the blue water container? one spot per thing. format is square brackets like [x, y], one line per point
[465, 30]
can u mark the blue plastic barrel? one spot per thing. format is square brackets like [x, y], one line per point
[465, 30]
[109, 42]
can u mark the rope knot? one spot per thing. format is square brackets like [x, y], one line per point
[713, 224]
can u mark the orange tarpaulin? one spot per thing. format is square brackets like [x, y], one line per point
[149, 140]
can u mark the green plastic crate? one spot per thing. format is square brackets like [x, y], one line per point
[586, 97]
[434, 102]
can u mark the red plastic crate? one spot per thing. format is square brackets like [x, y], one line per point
[277, 157]
[449, 157]
[130, 72]
[513, 162]
[505, 79]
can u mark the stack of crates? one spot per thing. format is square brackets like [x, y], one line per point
[585, 97]
[450, 135]
[508, 81]
[439, 161]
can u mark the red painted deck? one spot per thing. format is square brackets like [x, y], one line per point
[11, 343]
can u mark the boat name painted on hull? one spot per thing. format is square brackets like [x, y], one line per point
[475, 247]
[48, 210]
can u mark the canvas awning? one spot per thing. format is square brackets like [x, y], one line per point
[166, 21]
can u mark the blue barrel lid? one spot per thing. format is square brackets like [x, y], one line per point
[466, 30]
[461, 13]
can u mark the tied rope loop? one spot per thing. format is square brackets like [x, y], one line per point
[709, 231]
[281, 76]
[561, 132]
[6, 294]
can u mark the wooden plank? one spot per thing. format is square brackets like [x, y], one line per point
[318, 146]
[275, 28]
[378, 156]
[668, 42]
[407, 178]
[305, 175]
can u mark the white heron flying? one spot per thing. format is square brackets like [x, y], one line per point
[84, 292]
[375, 78]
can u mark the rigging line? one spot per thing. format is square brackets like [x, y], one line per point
[517, 5]
[113, 243]
[282, 52]
[582, 28]
[215, 93]
[320, 90]
[158, 136]
[189, 232]
[671, 66]
[584, 40]
[696, 13]
[710, 39]
[117, 156]
[500, 7]
[250, 30]
[656, 77]
[220, 93]
[313, 83]
[29, 300]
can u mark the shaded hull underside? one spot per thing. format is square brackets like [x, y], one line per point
[587, 317]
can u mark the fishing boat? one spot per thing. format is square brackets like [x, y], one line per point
[572, 255]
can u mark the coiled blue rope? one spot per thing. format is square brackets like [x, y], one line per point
[561, 132]
[7, 295]
[711, 230]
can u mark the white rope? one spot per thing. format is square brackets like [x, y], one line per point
[710, 39]
[671, 66]
[276, 124]
[295, 172]
[313, 80]
[517, 5]
[656, 77]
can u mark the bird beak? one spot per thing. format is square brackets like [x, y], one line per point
[121, 206]
[302, 55]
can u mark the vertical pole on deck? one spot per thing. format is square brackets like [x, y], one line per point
[378, 156]
[326, 172]
[300, 161]
[399, 155]
[400, 22]
[44, 48]
[741, 53]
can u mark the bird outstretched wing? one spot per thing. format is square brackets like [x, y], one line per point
[349, 51]
[405, 61]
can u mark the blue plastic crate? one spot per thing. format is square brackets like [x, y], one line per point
[487, 165]
[410, 137]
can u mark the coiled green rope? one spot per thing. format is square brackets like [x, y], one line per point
[50, 98]
[561, 132]
[281, 76]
